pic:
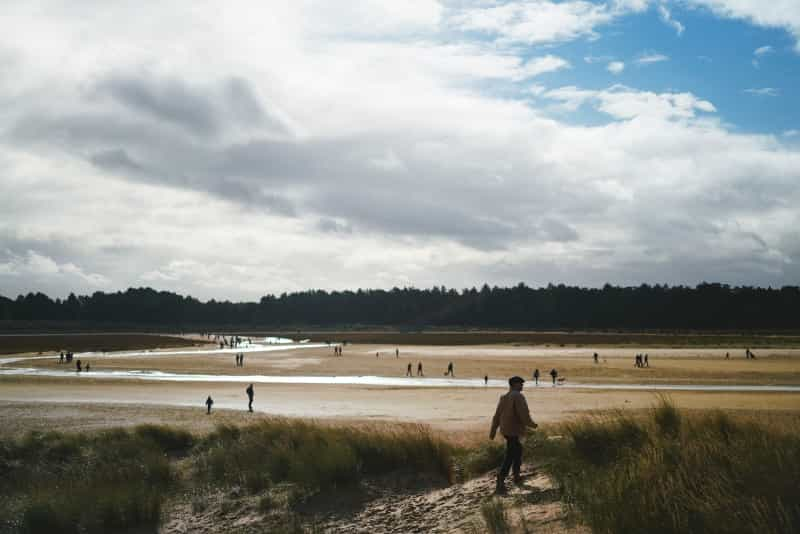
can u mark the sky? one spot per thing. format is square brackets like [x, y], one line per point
[230, 150]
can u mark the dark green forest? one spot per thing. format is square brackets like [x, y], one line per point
[657, 307]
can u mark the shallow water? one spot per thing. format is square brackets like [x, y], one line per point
[383, 381]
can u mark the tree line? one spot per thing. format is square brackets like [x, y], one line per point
[708, 306]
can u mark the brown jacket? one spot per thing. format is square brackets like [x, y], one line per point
[512, 415]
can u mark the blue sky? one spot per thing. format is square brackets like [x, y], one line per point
[713, 58]
[263, 147]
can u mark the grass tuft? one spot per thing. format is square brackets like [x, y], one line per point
[495, 516]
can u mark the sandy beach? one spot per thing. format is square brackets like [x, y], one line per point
[73, 400]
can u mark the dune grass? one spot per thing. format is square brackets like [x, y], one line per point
[118, 480]
[103, 482]
[672, 472]
[316, 457]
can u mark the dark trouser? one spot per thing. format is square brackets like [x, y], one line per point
[513, 458]
[250, 404]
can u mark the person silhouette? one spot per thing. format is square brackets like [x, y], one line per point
[536, 376]
[512, 417]
[249, 392]
[449, 369]
[209, 403]
[408, 370]
[485, 380]
[419, 369]
[554, 374]
[78, 365]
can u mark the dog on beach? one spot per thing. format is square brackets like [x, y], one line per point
[561, 380]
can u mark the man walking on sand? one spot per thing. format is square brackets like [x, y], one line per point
[209, 402]
[512, 417]
[249, 392]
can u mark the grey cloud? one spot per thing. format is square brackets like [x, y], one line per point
[115, 159]
[167, 99]
[554, 230]
[327, 225]
[199, 110]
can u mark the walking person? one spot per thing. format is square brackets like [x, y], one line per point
[397, 353]
[419, 369]
[486, 380]
[646, 363]
[241, 359]
[61, 360]
[449, 369]
[249, 392]
[536, 376]
[209, 403]
[554, 375]
[408, 370]
[512, 417]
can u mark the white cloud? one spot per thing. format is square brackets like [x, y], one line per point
[540, 65]
[624, 103]
[647, 58]
[791, 133]
[541, 21]
[772, 14]
[597, 59]
[666, 16]
[615, 67]
[763, 50]
[537, 89]
[46, 270]
[763, 91]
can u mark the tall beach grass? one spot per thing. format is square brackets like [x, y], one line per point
[674, 472]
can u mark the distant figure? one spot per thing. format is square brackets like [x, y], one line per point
[449, 369]
[727, 355]
[408, 370]
[536, 376]
[209, 403]
[554, 375]
[596, 358]
[241, 359]
[61, 359]
[236, 359]
[512, 416]
[637, 362]
[78, 365]
[221, 345]
[377, 354]
[419, 369]
[249, 391]
[396, 353]
[646, 363]
[485, 380]
[88, 366]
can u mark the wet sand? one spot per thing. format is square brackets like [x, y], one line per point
[73, 398]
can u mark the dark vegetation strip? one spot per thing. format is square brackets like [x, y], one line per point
[645, 307]
[676, 473]
[88, 342]
[118, 480]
